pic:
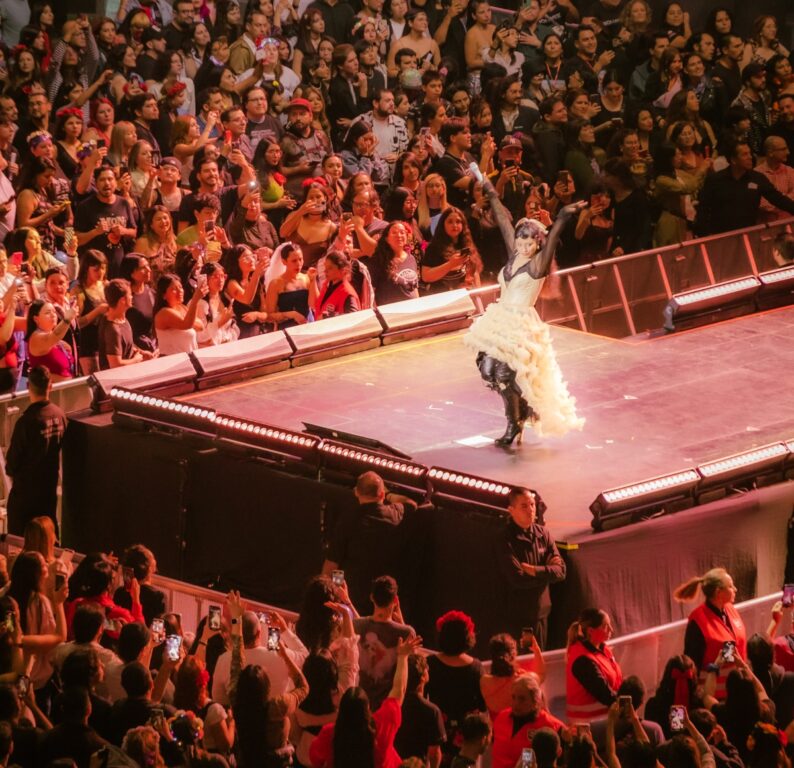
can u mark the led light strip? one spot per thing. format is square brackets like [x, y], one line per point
[649, 486]
[779, 275]
[354, 454]
[268, 433]
[160, 403]
[747, 459]
[467, 481]
[715, 291]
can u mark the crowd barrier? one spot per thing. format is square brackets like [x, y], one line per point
[642, 653]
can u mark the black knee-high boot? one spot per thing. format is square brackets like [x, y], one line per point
[513, 410]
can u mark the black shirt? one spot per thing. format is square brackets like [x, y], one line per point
[453, 169]
[92, 212]
[152, 601]
[422, 727]
[227, 195]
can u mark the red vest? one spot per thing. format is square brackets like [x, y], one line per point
[582, 706]
[715, 634]
[335, 303]
[506, 749]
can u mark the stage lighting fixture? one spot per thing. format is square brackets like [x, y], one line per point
[282, 442]
[167, 376]
[711, 304]
[335, 336]
[777, 288]
[352, 459]
[744, 470]
[242, 359]
[433, 314]
[132, 407]
[629, 503]
[459, 488]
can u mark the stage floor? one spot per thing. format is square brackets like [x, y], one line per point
[652, 406]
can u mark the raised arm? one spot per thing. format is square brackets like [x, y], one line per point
[499, 211]
[541, 261]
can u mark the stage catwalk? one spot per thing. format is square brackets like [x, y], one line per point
[652, 406]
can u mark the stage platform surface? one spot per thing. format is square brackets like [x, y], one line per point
[652, 406]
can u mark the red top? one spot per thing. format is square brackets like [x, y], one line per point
[582, 706]
[387, 723]
[507, 746]
[112, 612]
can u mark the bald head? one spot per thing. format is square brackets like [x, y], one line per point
[776, 150]
[251, 629]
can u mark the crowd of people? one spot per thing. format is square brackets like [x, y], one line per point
[95, 670]
[186, 173]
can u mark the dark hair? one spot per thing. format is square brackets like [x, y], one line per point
[39, 380]
[133, 638]
[140, 559]
[384, 256]
[231, 261]
[502, 649]
[81, 668]
[634, 687]
[164, 282]
[384, 591]
[711, 21]
[547, 105]
[395, 204]
[135, 678]
[546, 744]
[91, 258]
[88, 619]
[476, 726]
[417, 668]
[405, 157]
[621, 170]
[75, 704]
[130, 263]
[665, 692]
[455, 636]
[251, 713]
[663, 159]
[452, 127]
[316, 622]
[30, 169]
[25, 581]
[354, 732]
[9, 702]
[322, 675]
[441, 243]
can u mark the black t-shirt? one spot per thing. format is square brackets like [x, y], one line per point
[152, 601]
[269, 128]
[404, 284]
[422, 727]
[93, 211]
[453, 169]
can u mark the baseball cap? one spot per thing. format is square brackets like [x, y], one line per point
[300, 104]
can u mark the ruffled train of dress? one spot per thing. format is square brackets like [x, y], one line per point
[513, 333]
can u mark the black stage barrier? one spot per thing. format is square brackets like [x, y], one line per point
[225, 520]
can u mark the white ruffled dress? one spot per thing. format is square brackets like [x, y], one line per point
[511, 331]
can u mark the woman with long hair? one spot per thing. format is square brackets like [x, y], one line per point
[41, 615]
[89, 294]
[316, 98]
[245, 289]
[36, 201]
[408, 174]
[401, 206]
[588, 658]
[310, 226]
[123, 137]
[198, 50]
[141, 165]
[44, 337]
[191, 694]
[583, 159]
[678, 687]
[272, 180]
[451, 259]
[333, 171]
[262, 719]
[137, 271]
[503, 48]
[336, 295]
[158, 241]
[320, 707]
[675, 23]
[292, 296]
[764, 44]
[713, 623]
[496, 686]
[176, 323]
[394, 269]
[432, 117]
[685, 107]
[68, 132]
[216, 309]
[22, 74]
[311, 29]
[187, 139]
[347, 90]
[431, 204]
[41, 536]
[665, 82]
[361, 738]
[100, 123]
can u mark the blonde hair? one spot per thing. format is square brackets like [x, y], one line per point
[708, 584]
[116, 148]
[40, 537]
[423, 209]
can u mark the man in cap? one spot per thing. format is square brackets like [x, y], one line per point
[510, 181]
[153, 41]
[304, 146]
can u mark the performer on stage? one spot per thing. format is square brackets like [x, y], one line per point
[514, 352]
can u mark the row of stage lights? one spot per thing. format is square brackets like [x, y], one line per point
[612, 507]
[173, 415]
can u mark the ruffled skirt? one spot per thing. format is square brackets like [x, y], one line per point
[518, 337]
